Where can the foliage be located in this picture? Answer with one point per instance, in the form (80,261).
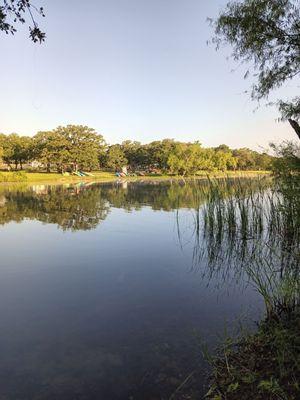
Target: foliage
(160,151)
(185,159)
(12,11)
(51,148)
(288,158)
(266,34)
(263,161)
(264,365)
(133,154)
(16,149)
(116,157)
(83,145)
(74,147)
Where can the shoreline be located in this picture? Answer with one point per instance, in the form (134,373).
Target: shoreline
(14,177)
(261,365)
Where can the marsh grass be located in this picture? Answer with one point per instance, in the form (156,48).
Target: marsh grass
(249,230)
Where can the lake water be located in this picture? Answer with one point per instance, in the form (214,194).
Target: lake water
(100,297)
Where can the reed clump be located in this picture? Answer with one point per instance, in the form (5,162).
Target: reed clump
(250,229)
(253,229)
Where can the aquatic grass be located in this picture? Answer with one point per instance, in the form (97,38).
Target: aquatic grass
(248,228)
(251,232)
(280,289)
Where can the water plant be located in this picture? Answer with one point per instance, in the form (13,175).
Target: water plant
(251,231)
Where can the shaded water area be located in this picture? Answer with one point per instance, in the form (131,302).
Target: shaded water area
(105,290)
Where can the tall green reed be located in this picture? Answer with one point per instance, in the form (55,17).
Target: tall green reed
(251,228)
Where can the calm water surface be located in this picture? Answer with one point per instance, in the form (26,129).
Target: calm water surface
(98,297)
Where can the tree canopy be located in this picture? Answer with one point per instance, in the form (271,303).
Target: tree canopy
(266,35)
(77,147)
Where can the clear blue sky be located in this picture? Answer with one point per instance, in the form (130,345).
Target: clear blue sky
(131,69)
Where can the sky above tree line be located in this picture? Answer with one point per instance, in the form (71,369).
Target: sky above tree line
(135,69)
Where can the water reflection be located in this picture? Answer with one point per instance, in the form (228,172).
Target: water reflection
(84,206)
(105,307)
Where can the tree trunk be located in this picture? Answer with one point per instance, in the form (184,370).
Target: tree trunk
(295,126)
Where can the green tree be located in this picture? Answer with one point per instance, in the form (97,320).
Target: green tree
(245,158)
(287,162)
(6,147)
(224,160)
(23,150)
(84,146)
(266,34)
(185,158)
(51,148)
(116,157)
(16,149)
(263,161)
(224,148)
(159,152)
(135,153)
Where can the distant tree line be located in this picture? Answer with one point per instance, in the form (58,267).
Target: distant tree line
(75,147)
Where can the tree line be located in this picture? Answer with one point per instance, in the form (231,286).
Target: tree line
(74,147)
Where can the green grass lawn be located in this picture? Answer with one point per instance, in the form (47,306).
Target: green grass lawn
(52,177)
(23,176)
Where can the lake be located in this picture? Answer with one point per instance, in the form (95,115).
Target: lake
(100,295)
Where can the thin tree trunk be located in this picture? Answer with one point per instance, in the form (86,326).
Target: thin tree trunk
(295,126)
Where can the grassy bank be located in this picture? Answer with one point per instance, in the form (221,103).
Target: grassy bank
(43,177)
(262,366)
